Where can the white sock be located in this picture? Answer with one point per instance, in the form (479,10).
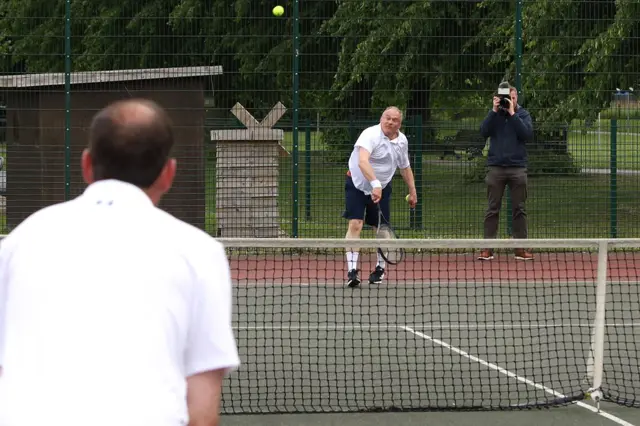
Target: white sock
(381,262)
(352,260)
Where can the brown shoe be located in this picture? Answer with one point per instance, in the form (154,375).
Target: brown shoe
(485,255)
(522,254)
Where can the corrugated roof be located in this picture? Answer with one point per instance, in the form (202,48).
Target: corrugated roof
(89,77)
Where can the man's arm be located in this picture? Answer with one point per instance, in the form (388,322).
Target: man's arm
(523,126)
(407,176)
(486,128)
(488,125)
(211,348)
(369,174)
(203,397)
(365,165)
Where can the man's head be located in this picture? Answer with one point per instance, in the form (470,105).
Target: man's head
(390,121)
(514,96)
(131,141)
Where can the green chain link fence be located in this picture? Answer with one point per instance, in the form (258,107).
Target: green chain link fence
(334,66)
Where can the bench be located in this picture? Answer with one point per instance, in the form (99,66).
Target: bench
(468,141)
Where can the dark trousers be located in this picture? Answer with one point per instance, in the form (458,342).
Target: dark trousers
(497,179)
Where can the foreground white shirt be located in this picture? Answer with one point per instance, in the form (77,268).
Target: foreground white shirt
(386,156)
(107,303)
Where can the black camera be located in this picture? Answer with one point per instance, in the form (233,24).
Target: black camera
(504,94)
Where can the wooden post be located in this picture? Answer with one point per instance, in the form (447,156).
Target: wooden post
(247,176)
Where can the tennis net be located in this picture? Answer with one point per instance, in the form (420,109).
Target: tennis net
(443,331)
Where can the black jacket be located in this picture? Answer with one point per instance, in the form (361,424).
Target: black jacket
(509,135)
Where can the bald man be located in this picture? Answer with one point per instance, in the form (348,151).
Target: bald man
(113,312)
(379,151)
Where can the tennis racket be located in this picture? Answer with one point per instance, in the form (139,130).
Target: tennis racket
(393,255)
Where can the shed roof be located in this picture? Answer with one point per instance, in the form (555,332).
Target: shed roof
(88,77)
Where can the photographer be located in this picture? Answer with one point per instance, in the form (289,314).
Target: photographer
(509,126)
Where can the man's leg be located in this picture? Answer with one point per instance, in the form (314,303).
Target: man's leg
(496,181)
(518,184)
(371,216)
(355,202)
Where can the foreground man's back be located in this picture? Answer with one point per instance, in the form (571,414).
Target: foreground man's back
(108,307)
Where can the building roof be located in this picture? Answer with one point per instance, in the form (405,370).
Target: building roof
(89,77)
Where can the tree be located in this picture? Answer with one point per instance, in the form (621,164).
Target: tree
(575,53)
(253,47)
(421,56)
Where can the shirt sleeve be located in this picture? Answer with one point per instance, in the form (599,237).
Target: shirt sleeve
(365,141)
(211,343)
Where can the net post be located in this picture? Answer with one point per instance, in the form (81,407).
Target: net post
(597,341)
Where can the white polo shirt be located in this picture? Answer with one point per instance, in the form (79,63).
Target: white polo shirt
(387,155)
(107,304)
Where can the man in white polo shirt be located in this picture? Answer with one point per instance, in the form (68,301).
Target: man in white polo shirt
(113,312)
(377,154)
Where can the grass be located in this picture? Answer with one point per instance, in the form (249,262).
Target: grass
(590,146)
(559,206)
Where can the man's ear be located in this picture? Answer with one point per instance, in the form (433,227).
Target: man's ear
(87,167)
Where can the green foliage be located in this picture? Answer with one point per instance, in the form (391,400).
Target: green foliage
(407,63)
(541,163)
(622,113)
(575,54)
(439,59)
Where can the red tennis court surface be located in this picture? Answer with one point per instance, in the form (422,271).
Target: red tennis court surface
(323,268)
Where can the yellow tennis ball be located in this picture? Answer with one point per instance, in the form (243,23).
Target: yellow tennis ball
(406,198)
(278,10)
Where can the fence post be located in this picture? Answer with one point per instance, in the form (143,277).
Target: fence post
(416,220)
(613,178)
(518,35)
(518,86)
(67,100)
(296,108)
(307,168)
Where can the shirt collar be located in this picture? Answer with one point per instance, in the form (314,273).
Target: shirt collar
(111,191)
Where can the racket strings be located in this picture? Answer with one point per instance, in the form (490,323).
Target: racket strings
(385,232)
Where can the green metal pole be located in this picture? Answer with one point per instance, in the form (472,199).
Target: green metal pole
(518,82)
(417,165)
(296,111)
(307,170)
(518,86)
(613,169)
(67,101)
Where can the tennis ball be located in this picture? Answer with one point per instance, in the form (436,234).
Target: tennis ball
(406,198)
(278,10)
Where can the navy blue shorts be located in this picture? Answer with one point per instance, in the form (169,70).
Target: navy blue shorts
(359,205)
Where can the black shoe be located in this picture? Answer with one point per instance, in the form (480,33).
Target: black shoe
(353,280)
(377,275)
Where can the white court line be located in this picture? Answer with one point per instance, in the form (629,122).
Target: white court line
(515,376)
(434,326)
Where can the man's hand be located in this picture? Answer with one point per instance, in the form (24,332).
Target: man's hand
(496,103)
(413,200)
(376,195)
(512,107)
